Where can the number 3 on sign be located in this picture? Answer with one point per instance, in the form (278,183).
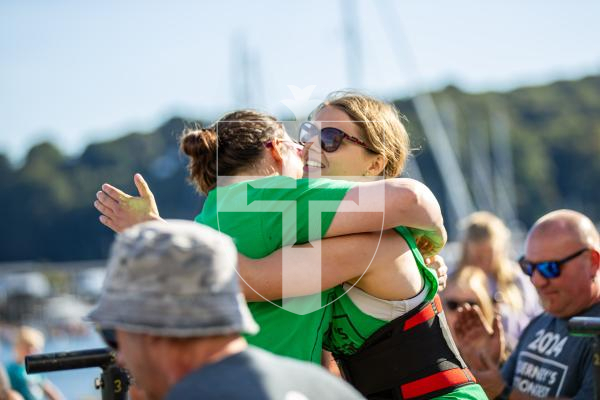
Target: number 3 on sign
(118,386)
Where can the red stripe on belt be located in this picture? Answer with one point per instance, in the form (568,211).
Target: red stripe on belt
(435,382)
(425,314)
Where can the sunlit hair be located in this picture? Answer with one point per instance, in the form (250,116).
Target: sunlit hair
(236,140)
(483,226)
(381,124)
(29,336)
(474,279)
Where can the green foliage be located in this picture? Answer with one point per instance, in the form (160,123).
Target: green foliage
(47,205)
(555,142)
(47,209)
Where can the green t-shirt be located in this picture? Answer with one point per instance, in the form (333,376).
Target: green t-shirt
(262,216)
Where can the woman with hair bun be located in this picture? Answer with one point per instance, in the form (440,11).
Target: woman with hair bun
(247,157)
(245,144)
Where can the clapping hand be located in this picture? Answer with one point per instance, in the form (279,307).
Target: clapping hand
(474,334)
(482,347)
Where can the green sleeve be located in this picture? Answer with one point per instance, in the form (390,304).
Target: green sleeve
(299,211)
(266,214)
(426,272)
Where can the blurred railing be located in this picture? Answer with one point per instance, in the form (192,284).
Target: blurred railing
(51,295)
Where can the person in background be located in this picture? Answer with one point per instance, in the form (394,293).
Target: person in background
(172,308)
(562,257)
(29,341)
(467,286)
(6,393)
(486,244)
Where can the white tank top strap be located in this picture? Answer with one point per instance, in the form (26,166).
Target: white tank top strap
(386,310)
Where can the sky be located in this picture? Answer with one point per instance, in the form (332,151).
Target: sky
(76,72)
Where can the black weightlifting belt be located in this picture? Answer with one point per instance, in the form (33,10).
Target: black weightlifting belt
(412,357)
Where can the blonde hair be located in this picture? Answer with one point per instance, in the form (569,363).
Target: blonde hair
(474,279)
(381,124)
(485,226)
(29,336)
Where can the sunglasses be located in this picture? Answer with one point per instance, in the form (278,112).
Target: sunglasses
(452,305)
(548,269)
(331,138)
(299,147)
(109,336)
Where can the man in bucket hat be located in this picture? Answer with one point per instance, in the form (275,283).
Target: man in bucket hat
(172,308)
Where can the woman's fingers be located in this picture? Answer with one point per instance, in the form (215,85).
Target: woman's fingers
(142,186)
(114,193)
(104,210)
(106,201)
(110,223)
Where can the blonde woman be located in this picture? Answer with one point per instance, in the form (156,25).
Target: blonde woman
(387,332)
(468,286)
(486,244)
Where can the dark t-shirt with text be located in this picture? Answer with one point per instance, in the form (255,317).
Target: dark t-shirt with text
(548,362)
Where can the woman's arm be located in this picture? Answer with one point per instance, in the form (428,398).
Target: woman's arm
(368,207)
(380,205)
(342,258)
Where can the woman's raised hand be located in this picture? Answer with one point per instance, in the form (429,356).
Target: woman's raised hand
(120,210)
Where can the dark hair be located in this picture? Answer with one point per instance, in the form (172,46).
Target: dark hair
(236,141)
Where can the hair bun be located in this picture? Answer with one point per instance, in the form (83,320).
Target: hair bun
(201,146)
(238,146)
(199,142)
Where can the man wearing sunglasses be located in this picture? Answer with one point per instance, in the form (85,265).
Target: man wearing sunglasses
(172,308)
(563,260)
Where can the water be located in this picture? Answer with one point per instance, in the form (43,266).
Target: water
(74,384)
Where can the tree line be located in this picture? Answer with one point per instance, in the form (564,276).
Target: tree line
(553,131)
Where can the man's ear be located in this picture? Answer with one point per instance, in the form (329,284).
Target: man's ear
(377,166)
(595,254)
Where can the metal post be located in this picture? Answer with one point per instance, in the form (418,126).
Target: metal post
(589,326)
(114,382)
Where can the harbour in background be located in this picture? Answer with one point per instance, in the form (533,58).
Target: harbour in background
(53,297)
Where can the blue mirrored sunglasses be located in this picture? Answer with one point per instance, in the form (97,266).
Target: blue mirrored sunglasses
(548,269)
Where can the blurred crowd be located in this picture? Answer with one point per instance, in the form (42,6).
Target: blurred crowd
(15,383)
(488,276)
